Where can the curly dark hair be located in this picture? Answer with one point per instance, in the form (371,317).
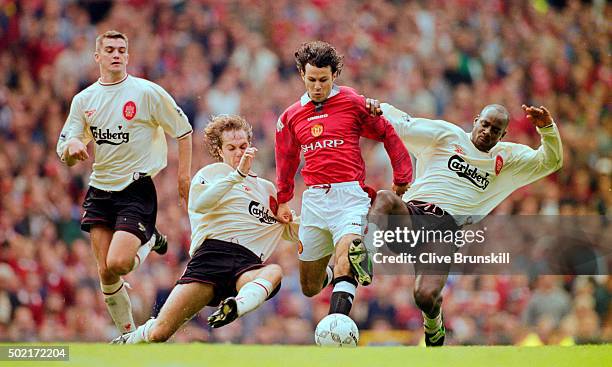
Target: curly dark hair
(217,125)
(319,54)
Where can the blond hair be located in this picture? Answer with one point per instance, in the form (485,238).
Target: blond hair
(219,124)
(110,34)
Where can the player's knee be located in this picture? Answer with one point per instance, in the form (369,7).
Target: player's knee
(275,271)
(427,297)
(385,199)
(310,289)
(159,334)
(119,266)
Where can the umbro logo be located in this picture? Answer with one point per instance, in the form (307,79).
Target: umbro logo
(141,227)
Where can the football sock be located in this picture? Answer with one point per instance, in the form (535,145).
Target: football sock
(329,276)
(343,294)
(119,306)
(252,294)
(141,334)
(432,325)
(143,252)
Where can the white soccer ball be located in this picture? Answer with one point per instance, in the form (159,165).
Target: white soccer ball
(337,330)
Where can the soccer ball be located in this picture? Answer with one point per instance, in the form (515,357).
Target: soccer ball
(337,330)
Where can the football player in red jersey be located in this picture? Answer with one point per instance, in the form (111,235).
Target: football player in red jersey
(326,125)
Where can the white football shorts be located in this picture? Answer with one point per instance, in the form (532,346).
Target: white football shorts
(330,212)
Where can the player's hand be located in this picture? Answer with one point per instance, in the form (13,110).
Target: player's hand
(373,106)
(400,189)
(184,184)
(283,214)
(247,160)
(76,151)
(540,117)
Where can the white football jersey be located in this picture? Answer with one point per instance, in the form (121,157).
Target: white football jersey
(126,121)
(468,183)
(225,206)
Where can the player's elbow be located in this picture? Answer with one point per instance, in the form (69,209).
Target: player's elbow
(204,204)
(555,164)
(309,288)
(120,266)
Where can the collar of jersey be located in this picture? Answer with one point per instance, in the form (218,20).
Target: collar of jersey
(306,98)
(115,83)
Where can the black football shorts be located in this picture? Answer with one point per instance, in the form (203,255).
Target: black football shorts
(220,264)
(133,209)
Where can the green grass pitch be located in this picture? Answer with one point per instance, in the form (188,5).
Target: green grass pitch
(204,355)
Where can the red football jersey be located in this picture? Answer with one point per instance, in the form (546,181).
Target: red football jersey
(328,134)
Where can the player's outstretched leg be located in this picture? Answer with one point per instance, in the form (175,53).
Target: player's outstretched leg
(255,287)
(184,302)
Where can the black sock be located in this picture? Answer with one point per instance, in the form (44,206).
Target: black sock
(343,295)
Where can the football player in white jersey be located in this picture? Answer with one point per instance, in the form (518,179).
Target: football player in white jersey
(460,178)
(233,231)
(126,117)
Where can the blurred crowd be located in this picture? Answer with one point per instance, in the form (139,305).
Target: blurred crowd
(436,59)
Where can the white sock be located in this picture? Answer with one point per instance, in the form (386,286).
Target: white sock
(119,306)
(143,252)
(252,295)
(141,334)
(432,325)
(344,286)
(329,276)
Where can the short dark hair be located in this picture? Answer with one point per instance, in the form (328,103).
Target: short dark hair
(217,125)
(110,34)
(319,54)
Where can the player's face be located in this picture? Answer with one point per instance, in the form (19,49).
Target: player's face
(318,82)
(234,143)
(112,56)
(489,128)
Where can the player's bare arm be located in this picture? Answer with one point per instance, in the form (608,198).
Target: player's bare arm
(184,169)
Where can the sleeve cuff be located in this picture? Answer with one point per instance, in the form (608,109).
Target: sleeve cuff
(235,176)
(284,197)
(546,129)
(184,135)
